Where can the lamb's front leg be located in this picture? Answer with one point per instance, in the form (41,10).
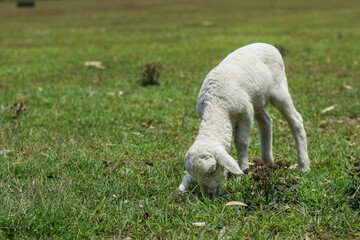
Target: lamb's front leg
(186,182)
(242,140)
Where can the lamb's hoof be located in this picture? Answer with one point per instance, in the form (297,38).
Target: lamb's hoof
(182,188)
(304,169)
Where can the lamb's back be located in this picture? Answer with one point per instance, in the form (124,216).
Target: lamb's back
(245,76)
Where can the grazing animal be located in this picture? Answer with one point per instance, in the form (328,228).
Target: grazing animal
(234,94)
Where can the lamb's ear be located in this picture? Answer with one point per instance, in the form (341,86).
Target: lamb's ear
(226,161)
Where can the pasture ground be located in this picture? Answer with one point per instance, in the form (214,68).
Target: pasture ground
(87,152)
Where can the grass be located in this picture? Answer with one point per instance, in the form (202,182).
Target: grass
(83,161)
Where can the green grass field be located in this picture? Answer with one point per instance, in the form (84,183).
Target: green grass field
(80,160)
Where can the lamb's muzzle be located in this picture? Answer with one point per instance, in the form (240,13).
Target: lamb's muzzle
(234,94)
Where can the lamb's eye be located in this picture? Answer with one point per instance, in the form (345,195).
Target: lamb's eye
(213,171)
(203,157)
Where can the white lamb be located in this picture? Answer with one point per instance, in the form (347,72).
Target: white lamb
(232,95)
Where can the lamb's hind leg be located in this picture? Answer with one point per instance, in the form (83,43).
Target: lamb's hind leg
(264,122)
(283,102)
(242,140)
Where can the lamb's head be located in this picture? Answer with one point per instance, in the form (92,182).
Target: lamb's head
(209,166)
